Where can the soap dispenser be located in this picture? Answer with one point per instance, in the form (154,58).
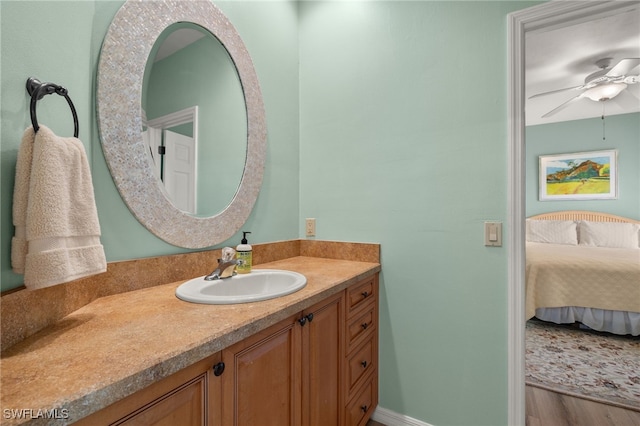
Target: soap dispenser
(244,254)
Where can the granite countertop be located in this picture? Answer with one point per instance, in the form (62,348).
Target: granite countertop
(120,344)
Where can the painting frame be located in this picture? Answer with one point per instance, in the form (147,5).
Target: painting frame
(590,175)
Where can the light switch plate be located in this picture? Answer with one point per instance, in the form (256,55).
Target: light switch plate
(493,234)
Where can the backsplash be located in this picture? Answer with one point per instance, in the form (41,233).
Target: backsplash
(25,312)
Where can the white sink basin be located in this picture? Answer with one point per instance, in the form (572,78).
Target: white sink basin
(260,284)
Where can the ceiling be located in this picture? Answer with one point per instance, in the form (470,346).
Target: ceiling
(178,39)
(558,58)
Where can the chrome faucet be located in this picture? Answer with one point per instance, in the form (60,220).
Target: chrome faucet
(226,266)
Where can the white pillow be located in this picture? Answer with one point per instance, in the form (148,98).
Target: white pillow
(552,231)
(609,234)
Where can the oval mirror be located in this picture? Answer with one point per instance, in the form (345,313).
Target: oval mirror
(122,121)
(194,119)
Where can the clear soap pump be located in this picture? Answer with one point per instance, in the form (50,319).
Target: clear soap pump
(244,255)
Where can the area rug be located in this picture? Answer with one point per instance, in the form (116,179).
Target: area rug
(597,366)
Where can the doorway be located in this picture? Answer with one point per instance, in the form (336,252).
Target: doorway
(172,147)
(548,15)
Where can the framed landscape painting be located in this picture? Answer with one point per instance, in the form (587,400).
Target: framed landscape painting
(579,176)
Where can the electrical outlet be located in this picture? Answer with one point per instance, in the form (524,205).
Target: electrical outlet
(310,226)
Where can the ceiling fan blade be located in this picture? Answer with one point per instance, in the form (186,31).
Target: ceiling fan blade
(623,67)
(556,91)
(562,106)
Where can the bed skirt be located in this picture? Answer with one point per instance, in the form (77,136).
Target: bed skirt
(617,322)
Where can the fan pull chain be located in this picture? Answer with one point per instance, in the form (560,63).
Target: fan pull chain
(603,134)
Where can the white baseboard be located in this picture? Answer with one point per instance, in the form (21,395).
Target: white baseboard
(390,418)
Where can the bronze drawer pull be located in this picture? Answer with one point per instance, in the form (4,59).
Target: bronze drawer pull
(364,364)
(218,369)
(364,325)
(364,408)
(365,294)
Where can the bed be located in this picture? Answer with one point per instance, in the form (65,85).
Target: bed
(584,267)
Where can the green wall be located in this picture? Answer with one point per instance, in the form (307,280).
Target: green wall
(403,136)
(622,132)
(386,122)
(60,42)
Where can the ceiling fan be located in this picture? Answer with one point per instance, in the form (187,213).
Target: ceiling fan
(602,85)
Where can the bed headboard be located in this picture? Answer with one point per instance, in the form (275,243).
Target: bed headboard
(583,215)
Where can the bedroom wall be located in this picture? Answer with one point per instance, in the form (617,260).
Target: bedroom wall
(622,133)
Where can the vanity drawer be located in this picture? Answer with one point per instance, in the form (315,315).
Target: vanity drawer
(360,327)
(361,294)
(361,407)
(359,364)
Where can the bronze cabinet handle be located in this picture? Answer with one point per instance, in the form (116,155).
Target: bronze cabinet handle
(218,369)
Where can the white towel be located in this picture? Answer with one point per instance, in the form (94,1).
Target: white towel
(20,197)
(62,229)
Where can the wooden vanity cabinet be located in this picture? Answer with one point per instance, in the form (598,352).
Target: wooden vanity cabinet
(187,398)
(318,367)
(361,358)
(288,374)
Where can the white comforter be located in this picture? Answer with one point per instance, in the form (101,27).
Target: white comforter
(563,275)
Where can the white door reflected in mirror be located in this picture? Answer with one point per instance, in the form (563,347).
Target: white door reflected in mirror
(180,170)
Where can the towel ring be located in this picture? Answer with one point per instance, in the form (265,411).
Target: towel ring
(38,90)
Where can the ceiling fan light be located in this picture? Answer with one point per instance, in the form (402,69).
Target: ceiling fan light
(604,92)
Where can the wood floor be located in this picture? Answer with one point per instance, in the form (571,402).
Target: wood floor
(546,408)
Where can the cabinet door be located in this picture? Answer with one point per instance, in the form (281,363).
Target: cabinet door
(261,384)
(185,406)
(322,362)
(188,397)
